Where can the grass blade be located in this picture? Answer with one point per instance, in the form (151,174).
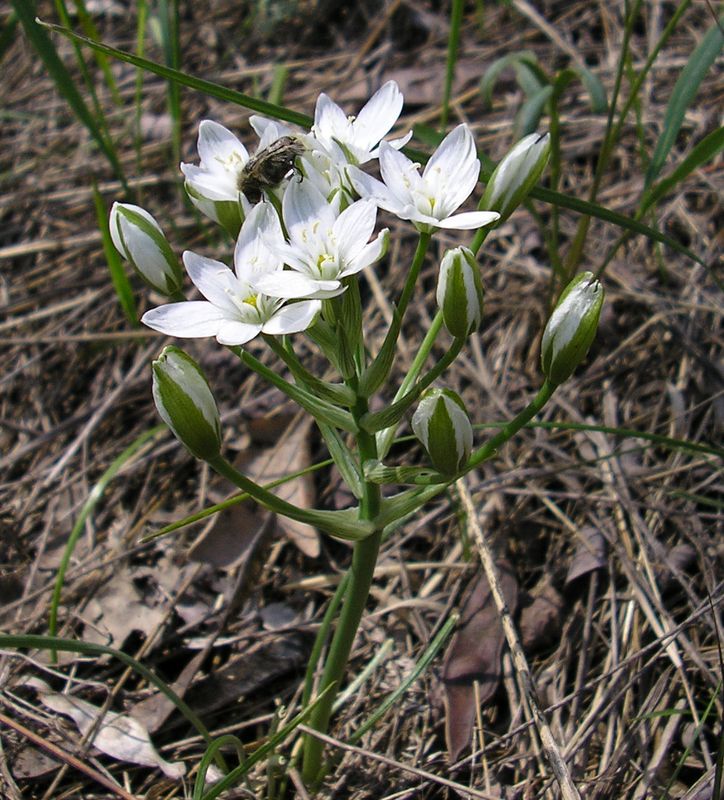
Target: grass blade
(456,16)
(199,84)
(121,284)
(89,27)
(704,151)
(168,17)
(93,498)
(64,81)
(683,95)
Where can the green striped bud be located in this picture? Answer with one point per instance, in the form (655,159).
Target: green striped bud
(184,401)
(516,174)
(571,327)
(227,213)
(139,239)
(442,424)
(460,292)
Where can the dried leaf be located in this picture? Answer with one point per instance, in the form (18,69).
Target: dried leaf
(118,735)
(32,763)
(459,717)
(590,554)
(475,655)
(118,609)
(540,622)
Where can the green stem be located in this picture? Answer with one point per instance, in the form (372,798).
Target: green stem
(386,437)
(361,572)
(336,523)
(456,17)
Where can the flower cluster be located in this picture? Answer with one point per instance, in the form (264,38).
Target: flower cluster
(303,214)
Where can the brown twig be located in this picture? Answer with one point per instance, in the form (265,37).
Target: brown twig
(550,747)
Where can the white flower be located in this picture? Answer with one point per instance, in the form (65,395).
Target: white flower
(235,310)
(355,139)
(324,245)
(430,199)
(223,158)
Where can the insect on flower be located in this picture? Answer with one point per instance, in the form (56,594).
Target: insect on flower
(269,167)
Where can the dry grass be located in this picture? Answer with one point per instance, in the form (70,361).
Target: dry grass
(631,659)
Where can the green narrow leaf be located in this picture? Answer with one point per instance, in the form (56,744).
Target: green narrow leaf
(121,284)
(529,114)
(495,70)
(595,89)
(168,16)
(89,27)
(703,152)
(683,95)
(199,84)
(343,459)
(63,80)
(456,16)
(93,499)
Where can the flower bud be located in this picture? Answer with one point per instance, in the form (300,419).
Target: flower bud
(226,213)
(139,239)
(571,327)
(184,401)
(442,424)
(516,175)
(460,292)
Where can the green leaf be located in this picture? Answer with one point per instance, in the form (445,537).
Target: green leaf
(683,95)
(374,376)
(627,223)
(318,408)
(198,84)
(93,499)
(495,70)
(343,459)
(25,11)
(703,152)
(595,89)
(529,115)
(120,281)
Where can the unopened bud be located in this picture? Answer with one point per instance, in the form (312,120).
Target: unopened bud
(516,175)
(184,401)
(571,327)
(139,239)
(442,424)
(460,292)
(226,213)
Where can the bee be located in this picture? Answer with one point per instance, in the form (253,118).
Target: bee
(269,167)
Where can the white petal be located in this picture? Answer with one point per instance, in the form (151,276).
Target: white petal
(468,221)
(190,320)
(456,148)
(293,318)
(291,285)
(329,119)
(378,115)
(218,142)
(254,253)
(368,255)
(233,332)
(370,187)
(399,173)
(216,185)
(213,279)
(353,228)
(303,205)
